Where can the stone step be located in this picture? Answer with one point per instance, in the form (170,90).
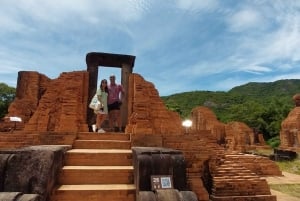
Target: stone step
(96,175)
(98,157)
(103,136)
(108,192)
(101,144)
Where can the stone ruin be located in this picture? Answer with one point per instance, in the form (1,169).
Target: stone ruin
(290,134)
(54,111)
(28,174)
(234,136)
(290,128)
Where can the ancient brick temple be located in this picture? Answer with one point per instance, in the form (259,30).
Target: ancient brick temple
(290,128)
(55,111)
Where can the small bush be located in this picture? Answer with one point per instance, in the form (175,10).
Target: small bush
(274,142)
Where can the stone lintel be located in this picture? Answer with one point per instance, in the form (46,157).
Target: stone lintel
(109,59)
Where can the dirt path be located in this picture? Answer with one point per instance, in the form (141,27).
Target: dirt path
(287,178)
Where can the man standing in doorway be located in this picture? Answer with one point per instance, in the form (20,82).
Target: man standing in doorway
(115,96)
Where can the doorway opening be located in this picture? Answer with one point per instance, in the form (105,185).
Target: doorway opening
(97,61)
(105,73)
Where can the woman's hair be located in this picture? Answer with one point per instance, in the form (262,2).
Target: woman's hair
(106,88)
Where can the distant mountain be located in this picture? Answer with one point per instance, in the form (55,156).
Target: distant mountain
(259,105)
(278,88)
(255,91)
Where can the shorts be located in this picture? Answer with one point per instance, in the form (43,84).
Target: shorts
(114,106)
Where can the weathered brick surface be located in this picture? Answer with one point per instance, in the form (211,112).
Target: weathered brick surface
(51,105)
(31,86)
(240,137)
(148,114)
(260,165)
(9,126)
(202,146)
(231,179)
(236,136)
(290,128)
(63,105)
(22,139)
(56,112)
(197,149)
(204,119)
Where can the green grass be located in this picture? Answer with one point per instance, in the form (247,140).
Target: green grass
(263,152)
(285,166)
(290,166)
(290,189)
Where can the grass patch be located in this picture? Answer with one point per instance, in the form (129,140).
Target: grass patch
(263,152)
(285,165)
(290,166)
(290,189)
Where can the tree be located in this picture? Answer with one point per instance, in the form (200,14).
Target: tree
(265,118)
(173,106)
(7,95)
(275,112)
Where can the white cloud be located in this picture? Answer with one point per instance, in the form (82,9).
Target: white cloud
(284,44)
(171,39)
(10,24)
(256,69)
(244,20)
(276,46)
(23,13)
(200,69)
(197,5)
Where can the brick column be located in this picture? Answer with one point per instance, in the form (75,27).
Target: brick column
(125,72)
(93,77)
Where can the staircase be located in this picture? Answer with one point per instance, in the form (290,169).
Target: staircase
(98,168)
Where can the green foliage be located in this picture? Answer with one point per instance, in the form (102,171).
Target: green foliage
(279,88)
(173,106)
(188,100)
(262,106)
(274,142)
(7,95)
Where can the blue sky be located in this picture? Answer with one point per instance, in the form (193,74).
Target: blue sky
(180,45)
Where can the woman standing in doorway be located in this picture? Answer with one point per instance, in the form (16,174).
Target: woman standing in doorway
(102,94)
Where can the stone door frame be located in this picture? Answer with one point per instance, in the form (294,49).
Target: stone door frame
(96,59)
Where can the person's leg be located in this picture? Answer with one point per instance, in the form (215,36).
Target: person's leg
(98,121)
(101,119)
(93,121)
(118,120)
(114,115)
(111,119)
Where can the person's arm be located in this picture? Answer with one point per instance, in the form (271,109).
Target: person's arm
(122,93)
(99,95)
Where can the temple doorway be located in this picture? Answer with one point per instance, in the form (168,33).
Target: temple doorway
(96,61)
(105,73)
